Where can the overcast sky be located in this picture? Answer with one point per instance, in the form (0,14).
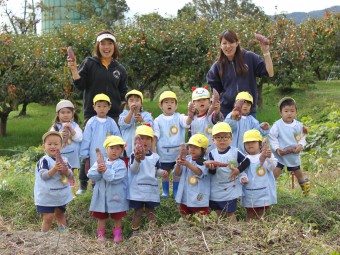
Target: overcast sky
(170,7)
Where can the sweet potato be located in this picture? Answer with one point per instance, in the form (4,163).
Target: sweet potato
(99,156)
(191,110)
(262,39)
(214,99)
(59,159)
(215,163)
(264,150)
(70,53)
(182,151)
(139,147)
(238,107)
(65,139)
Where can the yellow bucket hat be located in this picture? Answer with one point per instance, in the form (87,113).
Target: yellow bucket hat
(199,140)
(134,92)
(167,94)
(244,95)
(144,130)
(252,135)
(101,97)
(221,127)
(113,140)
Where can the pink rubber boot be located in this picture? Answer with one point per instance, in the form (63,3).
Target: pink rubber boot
(101,234)
(117,233)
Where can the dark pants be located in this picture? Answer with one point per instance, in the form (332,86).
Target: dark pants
(83,180)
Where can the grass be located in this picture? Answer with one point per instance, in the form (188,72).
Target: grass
(23,132)
(296,225)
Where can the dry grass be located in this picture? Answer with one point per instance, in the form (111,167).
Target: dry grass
(276,236)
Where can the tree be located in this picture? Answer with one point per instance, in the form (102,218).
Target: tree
(221,10)
(25,24)
(107,11)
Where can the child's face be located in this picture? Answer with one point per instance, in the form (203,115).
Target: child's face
(134,99)
(101,108)
(168,106)
(252,148)
(288,113)
(147,141)
(195,151)
(113,152)
(65,115)
(246,108)
(202,105)
(222,140)
(51,144)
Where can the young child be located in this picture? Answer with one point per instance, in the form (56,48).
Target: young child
(194,186)
(109,195)
(51,193)
(170,129)
(225,184)
(143,181)
(133,117)
(259,191)
(287,139)
(240,122)
(65,122)
(202,122)
(96,130)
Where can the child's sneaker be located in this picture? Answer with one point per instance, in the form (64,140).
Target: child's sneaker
(80,192)
(305,186)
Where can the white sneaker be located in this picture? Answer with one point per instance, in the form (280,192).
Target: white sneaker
(80,192)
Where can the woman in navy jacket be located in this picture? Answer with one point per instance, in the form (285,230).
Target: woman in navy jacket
(236,70)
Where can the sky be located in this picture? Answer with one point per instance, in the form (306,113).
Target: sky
(170,7)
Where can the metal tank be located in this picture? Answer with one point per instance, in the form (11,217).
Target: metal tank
(57,14)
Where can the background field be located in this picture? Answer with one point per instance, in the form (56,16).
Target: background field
(296,225)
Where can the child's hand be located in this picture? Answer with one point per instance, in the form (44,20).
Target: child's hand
(211,166)
(191,110)
(182,162)
(268,153)
(165,173)
(265,125)
(217,107)
(244,180)
(67,125)
(101,168)
(138,118)
(298,149)
(235,172)
(235,115)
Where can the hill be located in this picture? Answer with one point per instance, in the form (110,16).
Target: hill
(301,16)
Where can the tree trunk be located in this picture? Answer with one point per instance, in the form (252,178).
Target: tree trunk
(23,111)
(3,124)
(260,95)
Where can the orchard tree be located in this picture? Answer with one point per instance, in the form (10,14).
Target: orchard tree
(323,47)
(26,73)
(221,10)
(107,11)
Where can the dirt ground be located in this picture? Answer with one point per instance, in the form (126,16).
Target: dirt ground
(180,238)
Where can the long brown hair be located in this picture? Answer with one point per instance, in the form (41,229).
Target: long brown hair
(96,51)
(241,67)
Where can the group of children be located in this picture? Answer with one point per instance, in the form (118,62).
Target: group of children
(221,162)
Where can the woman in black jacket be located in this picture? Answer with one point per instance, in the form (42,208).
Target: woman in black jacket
(101,73)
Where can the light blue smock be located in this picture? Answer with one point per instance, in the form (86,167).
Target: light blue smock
(110,192)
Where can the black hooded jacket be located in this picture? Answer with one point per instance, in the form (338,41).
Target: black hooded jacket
(95,78)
